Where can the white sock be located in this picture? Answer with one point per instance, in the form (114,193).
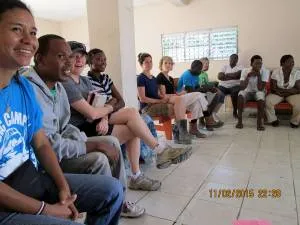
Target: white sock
(216,118)
(160,147)
(136,175)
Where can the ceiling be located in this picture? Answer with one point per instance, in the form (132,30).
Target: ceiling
(61,10)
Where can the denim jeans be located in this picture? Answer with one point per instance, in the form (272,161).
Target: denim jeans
(97,163)
(100,196)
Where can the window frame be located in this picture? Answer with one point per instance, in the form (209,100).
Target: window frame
(183,38)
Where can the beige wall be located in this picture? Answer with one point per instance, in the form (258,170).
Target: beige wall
(266,27)
(47,27)
(76,30)
(112,30)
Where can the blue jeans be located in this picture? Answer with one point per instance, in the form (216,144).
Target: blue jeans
(100,196)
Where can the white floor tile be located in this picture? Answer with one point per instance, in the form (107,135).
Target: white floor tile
(230,159)
(145,220)
(201,212)
(274,219)
(163,205)
(284,206)
(216,192)
(134,196)
(182,185)
(227,175)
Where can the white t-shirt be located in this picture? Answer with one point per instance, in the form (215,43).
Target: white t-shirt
(230,83)
(279,77)
(252,85)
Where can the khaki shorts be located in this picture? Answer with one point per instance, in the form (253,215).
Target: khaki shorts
(158,110)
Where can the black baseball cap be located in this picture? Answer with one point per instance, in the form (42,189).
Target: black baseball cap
(77,47)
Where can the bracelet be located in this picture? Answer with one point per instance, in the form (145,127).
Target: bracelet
(41,208)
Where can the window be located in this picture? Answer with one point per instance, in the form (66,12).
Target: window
(217,44)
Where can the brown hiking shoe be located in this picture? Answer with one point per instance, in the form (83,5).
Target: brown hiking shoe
(195,131)
(144,183)
(172,155)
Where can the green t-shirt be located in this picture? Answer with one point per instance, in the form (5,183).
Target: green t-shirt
(53,92)
(203,79)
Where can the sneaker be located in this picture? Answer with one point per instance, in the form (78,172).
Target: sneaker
(144,183)
(172,155)
(206,132)
(132,210)
(275,123)
(294,125)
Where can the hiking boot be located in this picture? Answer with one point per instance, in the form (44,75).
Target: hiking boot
(172,155)
(195,131)
(209,121)
(218,124)
(181,135)
(132,210)
(144,183)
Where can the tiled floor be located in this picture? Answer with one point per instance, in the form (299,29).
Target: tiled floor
(230,159)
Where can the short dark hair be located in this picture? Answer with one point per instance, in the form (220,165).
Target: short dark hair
(142,56)
(236,55)
(6,5)
(92,53)
(44,44)
(285,58)
(254,58)
(196,64)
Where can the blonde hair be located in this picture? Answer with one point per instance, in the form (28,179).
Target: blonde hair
(164,58)
(204,59)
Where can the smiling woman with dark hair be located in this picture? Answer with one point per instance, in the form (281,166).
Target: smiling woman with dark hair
(27,195)
(285,85)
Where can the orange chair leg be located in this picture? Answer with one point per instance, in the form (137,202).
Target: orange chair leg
(168,129)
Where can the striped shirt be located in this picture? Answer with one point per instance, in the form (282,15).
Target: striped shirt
(102,83)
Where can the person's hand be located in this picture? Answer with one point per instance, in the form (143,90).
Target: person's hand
(109,150)
(214,90)
(110,107)
(253,74)
(112,101)
(102,127)
(64,195)
(165,99)
(64,210)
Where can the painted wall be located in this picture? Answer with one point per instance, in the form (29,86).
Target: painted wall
(269,28)
(76,30)
(47,27)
